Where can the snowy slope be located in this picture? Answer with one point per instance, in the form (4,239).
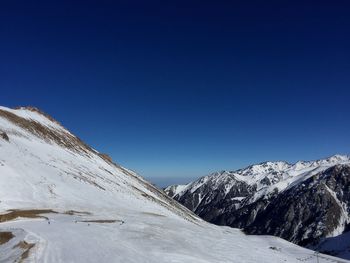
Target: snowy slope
(173,190)
(61,201)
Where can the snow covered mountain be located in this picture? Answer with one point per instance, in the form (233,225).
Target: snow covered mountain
(305,202)
(62,201)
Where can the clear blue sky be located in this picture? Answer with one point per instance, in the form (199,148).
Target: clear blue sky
(178,89)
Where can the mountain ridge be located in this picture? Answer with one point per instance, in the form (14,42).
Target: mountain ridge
(245,171)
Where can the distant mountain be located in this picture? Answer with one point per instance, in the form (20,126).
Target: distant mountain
(62,201)
(306,203)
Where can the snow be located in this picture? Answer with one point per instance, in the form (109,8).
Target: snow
(146,225)
(153,239)
(33,115)
(238,198)
(176,189)
(344,219)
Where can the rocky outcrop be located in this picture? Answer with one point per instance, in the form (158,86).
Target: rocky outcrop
(4,136)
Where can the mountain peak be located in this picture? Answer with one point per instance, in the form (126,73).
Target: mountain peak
(264,167)
(338,157)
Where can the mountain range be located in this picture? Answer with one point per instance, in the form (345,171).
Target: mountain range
(307,203)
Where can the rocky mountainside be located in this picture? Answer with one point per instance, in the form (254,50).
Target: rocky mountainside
(62,201)
(305,203)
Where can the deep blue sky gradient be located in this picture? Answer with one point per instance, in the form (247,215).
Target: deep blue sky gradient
(178,89)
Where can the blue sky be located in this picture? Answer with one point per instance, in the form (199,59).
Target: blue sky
(178,89)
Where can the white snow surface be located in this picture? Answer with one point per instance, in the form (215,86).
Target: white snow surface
(148,226)
(175,189)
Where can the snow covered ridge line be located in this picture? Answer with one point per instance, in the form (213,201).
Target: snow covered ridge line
(34,109)
(261,172)
(46,128)
(305,203)
(43,127)
(35,114)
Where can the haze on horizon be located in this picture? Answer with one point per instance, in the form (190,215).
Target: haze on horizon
(177,90)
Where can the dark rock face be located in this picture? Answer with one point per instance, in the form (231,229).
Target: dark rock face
(171,190)
(4,136)
(210,200)
(305,212)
